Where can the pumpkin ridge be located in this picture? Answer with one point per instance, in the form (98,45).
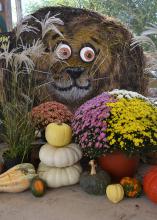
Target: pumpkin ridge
(59,157)
(77,150)
(69,158)
(148,180)
(57,177)
(77,153)
(69,173)
(115,192)
(78,167)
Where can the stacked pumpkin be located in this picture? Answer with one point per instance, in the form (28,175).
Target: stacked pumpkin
(59,157)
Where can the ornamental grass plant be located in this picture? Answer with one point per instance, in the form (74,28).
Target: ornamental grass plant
(19,88)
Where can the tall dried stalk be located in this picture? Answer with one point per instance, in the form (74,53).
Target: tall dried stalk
(19,86)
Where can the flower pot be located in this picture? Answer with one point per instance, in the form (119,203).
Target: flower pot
(1,167)
(151,158)
(119,165)
(11,162)
(85,163)
(42,132)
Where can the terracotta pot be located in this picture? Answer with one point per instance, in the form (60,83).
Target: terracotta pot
(119,165)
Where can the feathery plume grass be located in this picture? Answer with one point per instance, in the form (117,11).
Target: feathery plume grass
(145,39)
(152,29)
(48,24)
(140,40)
(19,85)
(23,26)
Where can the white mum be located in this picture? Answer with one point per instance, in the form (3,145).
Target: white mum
(127,94)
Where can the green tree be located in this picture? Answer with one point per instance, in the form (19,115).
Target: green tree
(136,14)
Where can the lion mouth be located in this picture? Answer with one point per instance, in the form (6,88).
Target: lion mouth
(75,74)
(73,85)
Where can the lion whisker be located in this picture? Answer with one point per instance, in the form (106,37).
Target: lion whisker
(35,70)
(98,66)
(52,81)
(95,62)
(100,78)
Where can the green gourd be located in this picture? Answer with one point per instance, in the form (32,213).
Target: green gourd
(38,187)
(94,182)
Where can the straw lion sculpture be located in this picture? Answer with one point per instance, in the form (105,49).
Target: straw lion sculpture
(93,55)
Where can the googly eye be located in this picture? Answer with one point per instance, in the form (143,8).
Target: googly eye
(87,54)
(63,51)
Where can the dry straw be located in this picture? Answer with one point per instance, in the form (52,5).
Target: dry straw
(19,86)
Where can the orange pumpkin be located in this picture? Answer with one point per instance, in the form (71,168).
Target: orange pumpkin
(150,184)
(132,187)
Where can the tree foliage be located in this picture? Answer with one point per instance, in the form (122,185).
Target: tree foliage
(136,14)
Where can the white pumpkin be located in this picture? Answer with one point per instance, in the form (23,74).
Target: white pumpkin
(60,157)
(57,177)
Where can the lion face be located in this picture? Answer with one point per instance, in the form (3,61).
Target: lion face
(82,63)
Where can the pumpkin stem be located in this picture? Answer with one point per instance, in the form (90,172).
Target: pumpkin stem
(93,167)
(59,123)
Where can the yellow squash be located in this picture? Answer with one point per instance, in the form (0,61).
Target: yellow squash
(115,193)
(58,134)
(17,179)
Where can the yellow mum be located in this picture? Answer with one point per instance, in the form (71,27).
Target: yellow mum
(133,124)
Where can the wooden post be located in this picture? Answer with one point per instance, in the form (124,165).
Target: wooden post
(18,10)
(7,14)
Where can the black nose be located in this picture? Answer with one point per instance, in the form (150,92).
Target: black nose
(75,72)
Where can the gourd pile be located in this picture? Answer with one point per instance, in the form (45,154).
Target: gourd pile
(98,182)
(59,157)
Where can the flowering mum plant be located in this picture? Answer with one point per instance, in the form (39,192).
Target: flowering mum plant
(132,126)
(89,125)
(122,93)
(119,120)
(48,112)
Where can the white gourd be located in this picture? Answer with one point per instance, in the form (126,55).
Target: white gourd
(57,177)
(60,157)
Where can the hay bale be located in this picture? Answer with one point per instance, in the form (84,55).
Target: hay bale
(115,63)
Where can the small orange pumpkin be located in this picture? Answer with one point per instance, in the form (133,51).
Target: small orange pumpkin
(132,187)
